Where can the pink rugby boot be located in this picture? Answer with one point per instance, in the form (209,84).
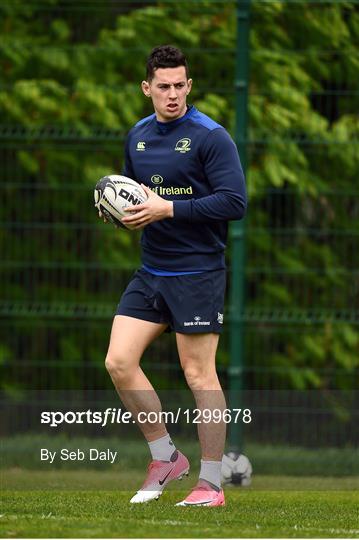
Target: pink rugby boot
(203,494)
(159,474)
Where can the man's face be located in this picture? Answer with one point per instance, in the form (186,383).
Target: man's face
(168,90)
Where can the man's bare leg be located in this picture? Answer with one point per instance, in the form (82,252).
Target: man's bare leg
(129,339)
(197,354)
(198,359)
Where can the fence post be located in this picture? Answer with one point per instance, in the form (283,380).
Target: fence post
(237,229)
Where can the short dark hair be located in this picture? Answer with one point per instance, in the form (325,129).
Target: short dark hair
(165,56)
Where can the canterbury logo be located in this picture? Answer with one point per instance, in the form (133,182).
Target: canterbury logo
(183,145)
(141,146)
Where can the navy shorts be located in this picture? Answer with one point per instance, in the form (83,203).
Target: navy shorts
(191,303)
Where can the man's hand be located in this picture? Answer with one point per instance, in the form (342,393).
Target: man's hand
(154,209)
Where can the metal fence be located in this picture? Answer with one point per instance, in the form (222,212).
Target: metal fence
(62,271)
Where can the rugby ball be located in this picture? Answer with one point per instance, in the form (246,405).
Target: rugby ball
(114,193)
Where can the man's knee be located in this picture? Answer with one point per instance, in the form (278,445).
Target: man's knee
(199,377)
(119,367)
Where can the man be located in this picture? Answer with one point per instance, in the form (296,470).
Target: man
(190,170)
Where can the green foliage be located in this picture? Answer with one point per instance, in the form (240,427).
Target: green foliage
(81,82)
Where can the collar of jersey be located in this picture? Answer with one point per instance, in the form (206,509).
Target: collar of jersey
(164,127)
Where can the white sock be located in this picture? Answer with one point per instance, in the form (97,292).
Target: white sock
(162,449)
(211,472)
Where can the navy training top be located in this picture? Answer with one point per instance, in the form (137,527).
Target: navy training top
(193,162)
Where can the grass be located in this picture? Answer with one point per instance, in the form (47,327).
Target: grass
(23,480)
(295,493)
(46,504)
